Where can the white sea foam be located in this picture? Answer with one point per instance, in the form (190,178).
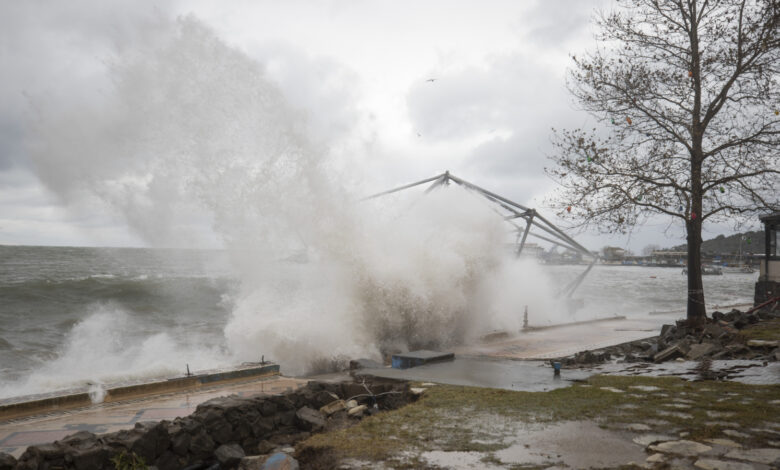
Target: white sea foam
(108,347)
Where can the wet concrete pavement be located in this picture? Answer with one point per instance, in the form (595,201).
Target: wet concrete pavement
(529,376)
(565,340)
(17,434)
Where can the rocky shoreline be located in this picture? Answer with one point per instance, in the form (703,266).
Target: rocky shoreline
(723,336)
(223,433)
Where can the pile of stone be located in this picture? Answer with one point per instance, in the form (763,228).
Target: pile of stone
(719,338)
(222,432)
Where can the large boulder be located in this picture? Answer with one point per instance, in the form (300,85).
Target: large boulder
(229,455)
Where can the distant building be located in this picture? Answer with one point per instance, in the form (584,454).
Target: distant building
(768,285)
(613,253)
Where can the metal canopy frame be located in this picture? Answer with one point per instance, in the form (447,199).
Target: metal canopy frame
(511,211)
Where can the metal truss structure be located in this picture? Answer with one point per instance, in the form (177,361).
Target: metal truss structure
(535,224)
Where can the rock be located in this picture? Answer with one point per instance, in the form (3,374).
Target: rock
(323,398)
(760,343)
(280,461)
(645,388)
(253,462)
(667,330)
(201,445)
(153,441)
(720,414)
(417,391)
(681,447)
(310,420)
(725,443)
(656,458)
(180,443)
(229,455)
(646,439)
(713,464)
(89,458)
(672,352)
(638,427)
(333,407)
(713,330)
(612,389)
(766,456)
(357,411)
(700,350)
(351,404)
(7,461)
(737,434)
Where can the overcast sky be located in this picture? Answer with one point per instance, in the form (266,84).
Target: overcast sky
(359,73)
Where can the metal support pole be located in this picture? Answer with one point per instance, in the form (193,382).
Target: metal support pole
(528,223)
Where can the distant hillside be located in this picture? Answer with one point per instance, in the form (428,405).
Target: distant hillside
(753,243)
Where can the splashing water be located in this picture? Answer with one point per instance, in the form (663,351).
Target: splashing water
(191,130)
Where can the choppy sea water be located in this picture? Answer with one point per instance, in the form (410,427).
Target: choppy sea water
(73,316)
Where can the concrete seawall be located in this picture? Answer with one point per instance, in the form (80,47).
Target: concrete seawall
(40,405)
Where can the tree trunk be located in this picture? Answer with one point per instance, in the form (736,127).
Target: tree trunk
(696,311)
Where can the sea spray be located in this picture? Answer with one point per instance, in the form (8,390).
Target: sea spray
(192,130)
(108,347)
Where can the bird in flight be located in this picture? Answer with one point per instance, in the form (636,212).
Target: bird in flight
(431,80)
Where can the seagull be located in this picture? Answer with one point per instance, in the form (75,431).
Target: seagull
(431,80)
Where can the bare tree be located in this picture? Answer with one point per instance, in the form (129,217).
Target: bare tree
(688,92)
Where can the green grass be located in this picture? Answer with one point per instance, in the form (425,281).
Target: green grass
(453,418)
(768,330)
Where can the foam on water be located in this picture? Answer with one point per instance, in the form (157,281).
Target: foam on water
(106,347)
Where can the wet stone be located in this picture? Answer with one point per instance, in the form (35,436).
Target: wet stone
(647,439)
(357,411)
(674,414)
(645,388)
(766,456)
(720,414)
(229,455)
(725,443)
(737,434)
(638,427)
(280,461)
(713,464)
(656,458)
(681,406)
(682,447)
(333,407)
(721,424)
(612,389)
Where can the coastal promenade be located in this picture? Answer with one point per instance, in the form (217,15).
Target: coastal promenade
(535,343)
(17,434)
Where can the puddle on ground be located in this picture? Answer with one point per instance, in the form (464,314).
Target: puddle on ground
(576,444)
(743,371)
(457,460)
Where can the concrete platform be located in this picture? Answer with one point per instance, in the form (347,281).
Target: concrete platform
(527,376)
(418,358)
(564,340)
(17,434)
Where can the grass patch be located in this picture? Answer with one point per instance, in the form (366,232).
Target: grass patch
(766,330)
(455,418)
